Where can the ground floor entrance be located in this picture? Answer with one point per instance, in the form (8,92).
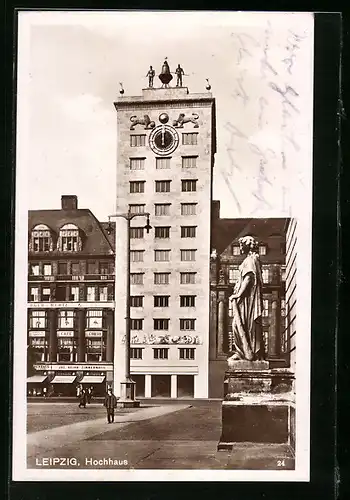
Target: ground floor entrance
(164,385)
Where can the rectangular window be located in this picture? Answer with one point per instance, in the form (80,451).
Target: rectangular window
(283,273)
(265,307)
(188,278)
(38,319)
(62,268)
(104,268)
(136,255)
(161,324)
(162,255)
(136,353)
(162,163)
(188,255)
(94,319)
(161,278)
(75,268)
(160,353)
(34,269)
(137,186)
(262,250)
(91,294)
(161,300)
(188,231)
(137,140)
(46,295)
(91,267)
(186,353)
(34,294)
(69,240)
(137,208)
(65,319)
(136,232)
(137,163)
(233,274)
(162,186)
(41,244)
(265,274)
(103,293)
(136,278)
(162,209)
(66,349)
(187,324)
(189,139)
(188,208)
(136,324)
(47,270)
(60,293)
(94,349)
(188,185)
(136,301)
(74,293)
(236,250)
(162,232)
(189,161)
(187,300)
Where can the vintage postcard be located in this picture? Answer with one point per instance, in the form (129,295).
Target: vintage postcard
(163,246)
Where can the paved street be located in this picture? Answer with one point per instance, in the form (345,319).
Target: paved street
(161,436)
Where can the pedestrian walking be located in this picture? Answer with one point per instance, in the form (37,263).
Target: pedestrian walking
(82,399)
(110,403)
(89,395)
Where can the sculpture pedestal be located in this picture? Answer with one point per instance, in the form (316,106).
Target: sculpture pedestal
(258,405)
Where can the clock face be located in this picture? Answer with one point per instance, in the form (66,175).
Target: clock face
(163,140)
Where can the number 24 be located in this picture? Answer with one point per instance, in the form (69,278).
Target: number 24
(281,463)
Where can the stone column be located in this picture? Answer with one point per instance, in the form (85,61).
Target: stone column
(221,322)
(173,386)
(274,336)
(81,335)
(52,316)
(148,386)
(110,335)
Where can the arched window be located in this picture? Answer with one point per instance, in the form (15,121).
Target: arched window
(41,239)
(69,239)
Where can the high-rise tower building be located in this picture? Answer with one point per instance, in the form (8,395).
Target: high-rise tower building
(165,156)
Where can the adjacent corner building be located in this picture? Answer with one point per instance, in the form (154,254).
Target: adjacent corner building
(70,300)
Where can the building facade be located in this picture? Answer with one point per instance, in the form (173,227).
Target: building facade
(70,300)
(165,157)
(225,261)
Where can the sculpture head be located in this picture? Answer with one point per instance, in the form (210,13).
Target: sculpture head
(248,244)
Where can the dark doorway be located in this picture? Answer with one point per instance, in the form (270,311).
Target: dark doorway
(140,385)
(185,386)
(161,386)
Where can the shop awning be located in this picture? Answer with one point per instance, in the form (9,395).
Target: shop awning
(63,379)
(36,379)
(92,379)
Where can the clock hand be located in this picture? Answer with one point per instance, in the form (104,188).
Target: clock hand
(163,133)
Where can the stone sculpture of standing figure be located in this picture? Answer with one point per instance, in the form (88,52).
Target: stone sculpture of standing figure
(151,74)
(247,306)
(179,73)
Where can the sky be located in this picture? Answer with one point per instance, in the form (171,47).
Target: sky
(259,66)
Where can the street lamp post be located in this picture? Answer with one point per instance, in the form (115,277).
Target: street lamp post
(127,391)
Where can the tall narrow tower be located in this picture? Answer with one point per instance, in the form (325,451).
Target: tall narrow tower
(165,157)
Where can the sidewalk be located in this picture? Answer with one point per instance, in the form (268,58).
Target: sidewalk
(159,437)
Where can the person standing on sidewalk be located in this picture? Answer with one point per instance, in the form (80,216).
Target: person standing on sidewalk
(82,398)
(110,404)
